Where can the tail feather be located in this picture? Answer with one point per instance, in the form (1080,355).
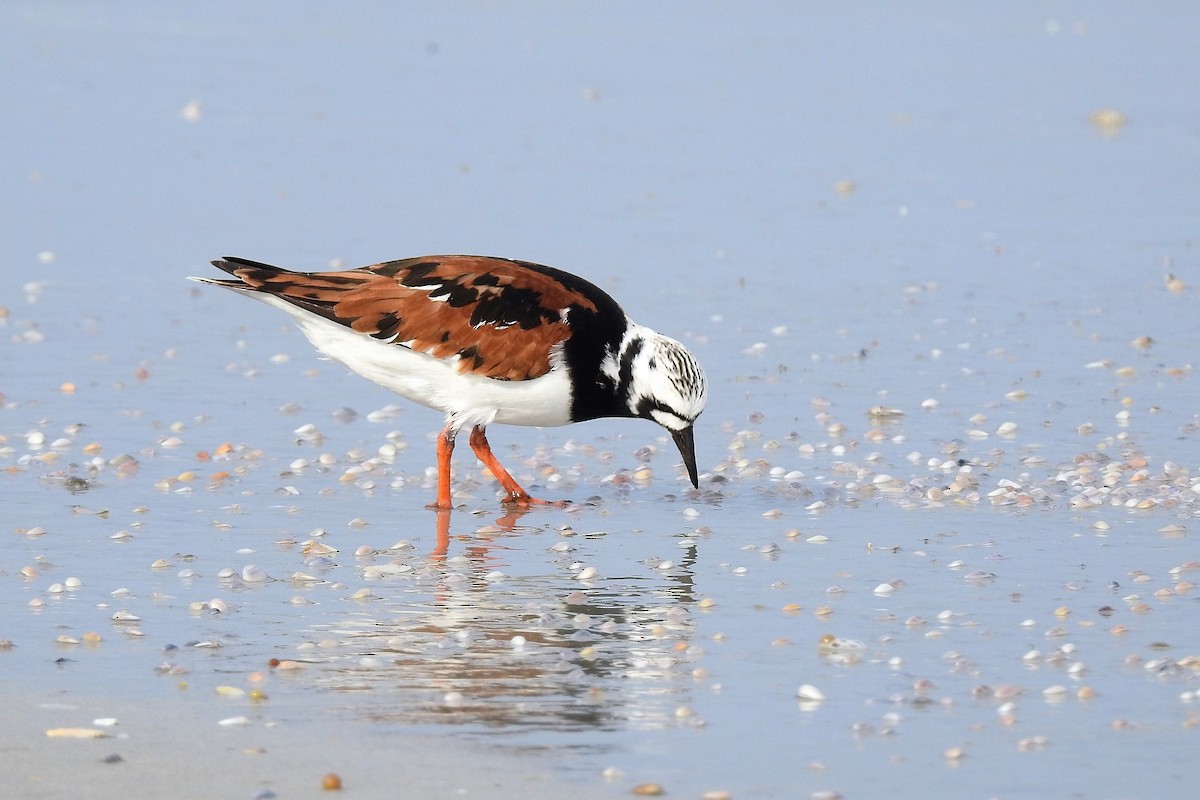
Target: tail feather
(232,264)
(264,281)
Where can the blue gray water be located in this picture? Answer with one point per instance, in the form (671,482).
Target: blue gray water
(971,216)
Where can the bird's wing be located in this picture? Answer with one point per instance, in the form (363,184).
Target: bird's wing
(500,318)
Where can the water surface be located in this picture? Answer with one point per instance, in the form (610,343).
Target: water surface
(837,210)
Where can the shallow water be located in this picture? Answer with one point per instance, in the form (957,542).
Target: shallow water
(989,256)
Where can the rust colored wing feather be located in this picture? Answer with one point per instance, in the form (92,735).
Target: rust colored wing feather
(501,318)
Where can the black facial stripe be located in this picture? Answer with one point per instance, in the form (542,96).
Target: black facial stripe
(625,371)
(646,404)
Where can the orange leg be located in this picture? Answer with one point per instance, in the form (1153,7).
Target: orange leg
(516,494)
(445,449)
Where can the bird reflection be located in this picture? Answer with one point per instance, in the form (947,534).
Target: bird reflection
(457,641)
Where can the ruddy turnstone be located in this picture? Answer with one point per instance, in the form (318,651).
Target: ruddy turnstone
(488,340)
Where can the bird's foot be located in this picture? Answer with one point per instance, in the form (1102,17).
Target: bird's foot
(523,500)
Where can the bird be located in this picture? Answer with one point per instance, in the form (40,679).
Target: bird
(488,340)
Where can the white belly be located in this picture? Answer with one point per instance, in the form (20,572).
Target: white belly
(465,398)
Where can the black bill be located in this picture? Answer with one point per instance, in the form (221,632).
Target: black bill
(687,448)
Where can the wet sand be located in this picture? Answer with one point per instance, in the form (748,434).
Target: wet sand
(939,265)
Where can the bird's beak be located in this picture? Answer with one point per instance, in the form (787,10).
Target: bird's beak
(687,448)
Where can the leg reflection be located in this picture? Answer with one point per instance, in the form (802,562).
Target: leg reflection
(443,535)
(507,523)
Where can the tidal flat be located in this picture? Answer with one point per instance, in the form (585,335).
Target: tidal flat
(939,265)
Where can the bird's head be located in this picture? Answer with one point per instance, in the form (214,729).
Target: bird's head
(666,385)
